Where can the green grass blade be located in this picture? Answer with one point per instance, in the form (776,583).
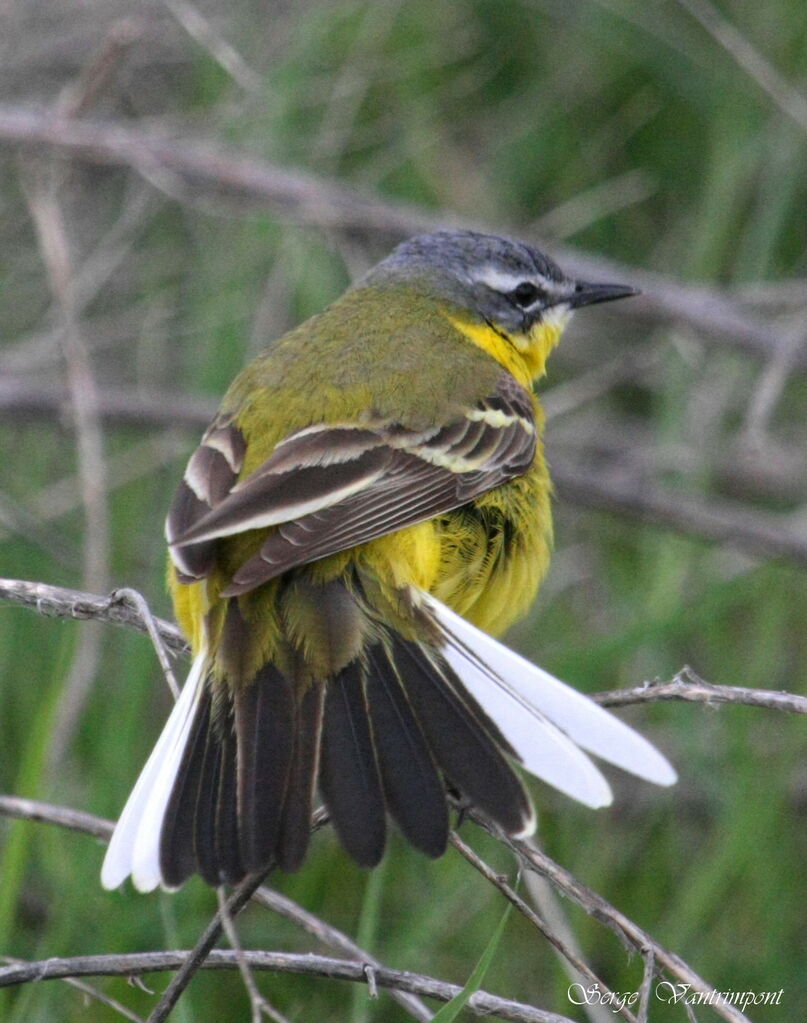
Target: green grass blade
(451,1010)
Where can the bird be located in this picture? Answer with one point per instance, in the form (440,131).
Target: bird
(369,509)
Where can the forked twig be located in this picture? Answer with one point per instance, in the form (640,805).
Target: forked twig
(632,936)
(529,914)
(200,953)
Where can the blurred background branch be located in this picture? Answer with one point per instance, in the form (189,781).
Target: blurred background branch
(183,180)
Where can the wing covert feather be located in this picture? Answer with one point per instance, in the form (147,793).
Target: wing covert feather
(329,487)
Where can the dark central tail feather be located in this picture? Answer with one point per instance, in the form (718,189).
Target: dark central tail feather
(380,737)
(394,724)
(349,779)
(466,744)
(266,734)
(295,825)
(415,795)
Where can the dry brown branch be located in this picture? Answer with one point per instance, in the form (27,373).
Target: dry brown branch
(633,936)
(772,383)
(59,602)
(79,96)
(139,603)
(688,686)
(62,816)
(309,965)
(200,954)
(306,198)
(761,534)
(789,100)
(225,55)
(258,1004)
(122,405)
(553,910)
(568,954)
(42,193)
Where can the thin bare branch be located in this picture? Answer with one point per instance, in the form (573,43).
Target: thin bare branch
(773,380)
(138,963)
(633,936)
(201,952)
(593,204)
(789,100)
(225,55)
(140,604)
(688,686)
(42,188)
(554,911)
(80,95)
(59,602)
(647,981)
(764,535)
(122,405)
(306,198)
(568,954)
(258,1004)
(62,816)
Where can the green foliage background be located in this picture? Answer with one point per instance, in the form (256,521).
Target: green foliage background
(619,127)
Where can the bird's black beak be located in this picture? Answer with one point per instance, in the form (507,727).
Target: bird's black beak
(588,294)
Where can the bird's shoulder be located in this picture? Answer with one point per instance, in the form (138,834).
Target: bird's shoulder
(381,354)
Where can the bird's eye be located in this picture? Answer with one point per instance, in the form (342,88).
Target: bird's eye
(525,294)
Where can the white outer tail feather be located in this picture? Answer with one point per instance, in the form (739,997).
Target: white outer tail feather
(534,711)
(135,844)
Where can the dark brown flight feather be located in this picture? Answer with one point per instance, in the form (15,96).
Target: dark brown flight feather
(414,793)
(210,475)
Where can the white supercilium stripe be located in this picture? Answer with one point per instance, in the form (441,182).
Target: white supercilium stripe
(135,844)
(475,654)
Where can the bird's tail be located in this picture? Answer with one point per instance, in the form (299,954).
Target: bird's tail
(229,786)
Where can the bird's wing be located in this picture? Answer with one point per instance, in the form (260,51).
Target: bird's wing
(329,487)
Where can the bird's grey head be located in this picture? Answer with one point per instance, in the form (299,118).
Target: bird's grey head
(506,282)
